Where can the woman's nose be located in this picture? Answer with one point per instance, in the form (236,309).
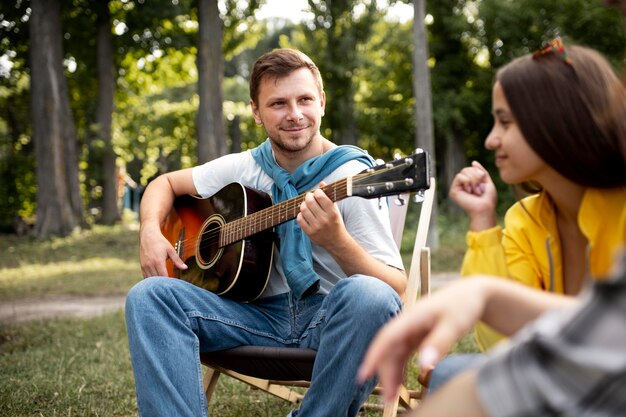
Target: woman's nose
(493,140)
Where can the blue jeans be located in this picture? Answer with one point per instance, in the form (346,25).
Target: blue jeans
(451,366)
(170,322)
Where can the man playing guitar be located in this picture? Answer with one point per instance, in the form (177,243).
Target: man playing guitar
(335,278)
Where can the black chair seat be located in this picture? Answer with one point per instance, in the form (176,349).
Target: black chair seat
(274,363)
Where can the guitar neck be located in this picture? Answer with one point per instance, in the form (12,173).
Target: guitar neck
(280,213)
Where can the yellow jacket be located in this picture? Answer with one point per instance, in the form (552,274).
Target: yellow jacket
(528,250)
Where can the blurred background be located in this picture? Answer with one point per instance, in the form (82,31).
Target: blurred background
(99,97)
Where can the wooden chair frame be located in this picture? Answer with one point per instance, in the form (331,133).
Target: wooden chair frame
(418,285)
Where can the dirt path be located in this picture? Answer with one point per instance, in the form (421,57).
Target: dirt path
(66,306)
(85,306)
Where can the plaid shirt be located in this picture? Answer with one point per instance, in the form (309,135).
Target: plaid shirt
(568,363)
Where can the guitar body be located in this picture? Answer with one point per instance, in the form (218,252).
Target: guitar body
(239,270)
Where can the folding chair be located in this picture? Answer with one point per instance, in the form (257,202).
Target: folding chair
(279,370)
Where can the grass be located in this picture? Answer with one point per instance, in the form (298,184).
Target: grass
(68,367)
(81,367)
(100,261)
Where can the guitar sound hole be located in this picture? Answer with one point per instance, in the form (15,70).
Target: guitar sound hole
(208,249)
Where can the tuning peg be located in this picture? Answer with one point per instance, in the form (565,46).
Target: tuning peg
(379,161)
(397,156)
(418,150)
(419,196)
(399,201)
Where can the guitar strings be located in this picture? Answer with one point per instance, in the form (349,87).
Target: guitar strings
(234,228)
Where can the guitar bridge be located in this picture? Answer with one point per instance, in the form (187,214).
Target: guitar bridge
(179,247)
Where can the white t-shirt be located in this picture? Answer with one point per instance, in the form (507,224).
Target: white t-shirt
(367,220)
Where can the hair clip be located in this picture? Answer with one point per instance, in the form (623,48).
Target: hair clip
(555,46)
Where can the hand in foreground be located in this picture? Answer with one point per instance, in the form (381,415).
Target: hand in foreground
(473,190)
(154,250)
(431,326)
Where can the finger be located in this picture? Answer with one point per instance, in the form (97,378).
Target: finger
(477,165)
(149,271)
(436,343)
(460,180)
(402,334)
(467,182)
(428,358)
(477,175)
(308,209)
(178,262)
(424,376)
(145,272)
(390,370)
(391,377)
(161,270)
(377,352)
(470,175)
(324,203)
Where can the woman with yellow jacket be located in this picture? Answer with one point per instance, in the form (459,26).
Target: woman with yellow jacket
(529,249)
(560,132)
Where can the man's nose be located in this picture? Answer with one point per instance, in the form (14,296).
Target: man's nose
(294,112)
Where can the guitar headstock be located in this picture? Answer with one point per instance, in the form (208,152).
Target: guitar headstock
(406,174)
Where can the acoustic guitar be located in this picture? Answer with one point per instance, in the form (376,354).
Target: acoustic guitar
(227,240)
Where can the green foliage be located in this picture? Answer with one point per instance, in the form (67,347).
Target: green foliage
(333,40)
(511,28)
(155,121)
(154,128)
(461,88)
(384,100)
(17,159)
(360,53)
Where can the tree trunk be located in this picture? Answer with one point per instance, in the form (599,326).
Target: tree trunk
(210,128)
(104,114)
(424,137)
(59,204)
(454,161)
(235,134)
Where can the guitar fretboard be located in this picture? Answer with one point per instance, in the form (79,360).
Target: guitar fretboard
(272,216)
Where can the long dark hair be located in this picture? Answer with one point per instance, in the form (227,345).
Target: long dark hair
(571,110)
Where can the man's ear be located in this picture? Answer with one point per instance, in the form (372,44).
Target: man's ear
(255,113)
(323,101)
